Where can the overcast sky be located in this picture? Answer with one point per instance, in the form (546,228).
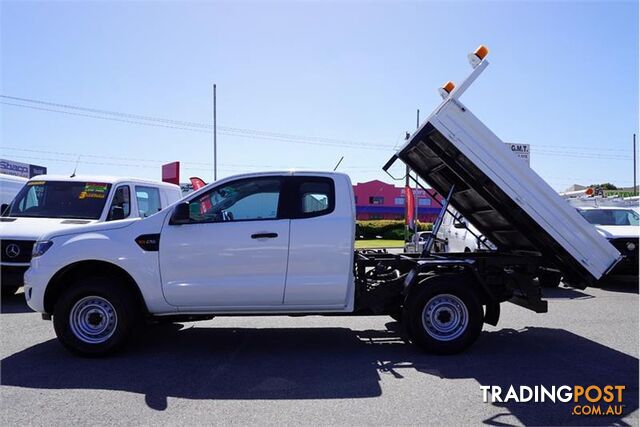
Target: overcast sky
(339,79)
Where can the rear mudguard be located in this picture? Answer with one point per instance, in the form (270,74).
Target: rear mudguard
(458,270)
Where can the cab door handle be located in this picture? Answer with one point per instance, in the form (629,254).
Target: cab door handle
(264,236)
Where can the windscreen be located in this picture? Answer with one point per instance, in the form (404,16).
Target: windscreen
(60,199)
(610,216)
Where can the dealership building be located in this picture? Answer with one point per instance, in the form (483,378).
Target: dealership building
(379,200)
(24,170)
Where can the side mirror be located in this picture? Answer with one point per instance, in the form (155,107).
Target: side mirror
(180,214)
(460,224)
(3,208)
(117,212)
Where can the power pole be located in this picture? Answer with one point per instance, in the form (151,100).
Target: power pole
(416,200)
(411,227)
(215,138)
(635,192)
(406,198)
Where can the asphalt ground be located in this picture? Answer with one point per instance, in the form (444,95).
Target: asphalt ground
(324,370)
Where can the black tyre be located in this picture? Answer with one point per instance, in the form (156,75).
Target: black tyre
(549,279)
(8,291)
(444,315)
(95,316)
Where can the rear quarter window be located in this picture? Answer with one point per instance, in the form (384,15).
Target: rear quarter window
(148,199)
(312,197)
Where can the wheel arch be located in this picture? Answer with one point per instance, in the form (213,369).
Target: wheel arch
(64,277)
(464,273)
(426,275)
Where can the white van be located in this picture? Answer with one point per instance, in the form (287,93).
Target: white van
(49,203)
(9,187)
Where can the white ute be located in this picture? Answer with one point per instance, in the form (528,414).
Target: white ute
(50,203)
(621,227)
(283,243)
(456,234)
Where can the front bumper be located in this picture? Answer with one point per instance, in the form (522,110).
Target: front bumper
(629,265)
(12,276)
(35,284)
(626,267)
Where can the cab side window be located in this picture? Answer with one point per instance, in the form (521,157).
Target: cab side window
(148,199)
(313,196)
(243,200)
(121,204)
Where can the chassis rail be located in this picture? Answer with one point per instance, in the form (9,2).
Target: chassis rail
(384,280)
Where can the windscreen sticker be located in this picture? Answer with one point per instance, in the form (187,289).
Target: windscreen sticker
(94,190)
(35,183)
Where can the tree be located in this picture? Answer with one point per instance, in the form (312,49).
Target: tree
(604,186)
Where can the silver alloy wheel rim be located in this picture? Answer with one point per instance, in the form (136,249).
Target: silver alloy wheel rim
(93,320)
(445,317)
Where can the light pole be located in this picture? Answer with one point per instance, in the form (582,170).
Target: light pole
(635,191)
(215,137)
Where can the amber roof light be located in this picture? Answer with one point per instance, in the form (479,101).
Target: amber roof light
(481,51)
(478,55)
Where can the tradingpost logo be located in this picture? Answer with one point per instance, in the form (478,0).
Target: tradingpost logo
(591,400)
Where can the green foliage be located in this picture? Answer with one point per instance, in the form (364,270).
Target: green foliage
(619,193)
(386,229)
(604,186)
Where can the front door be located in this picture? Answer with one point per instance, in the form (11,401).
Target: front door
(233,252)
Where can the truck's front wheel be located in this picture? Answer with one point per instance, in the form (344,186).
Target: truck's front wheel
(94,317)
(444,316)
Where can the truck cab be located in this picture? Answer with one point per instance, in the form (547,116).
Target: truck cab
(259,243)
(47,203)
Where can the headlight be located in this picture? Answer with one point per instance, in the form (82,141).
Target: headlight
(631,246)
(40,248)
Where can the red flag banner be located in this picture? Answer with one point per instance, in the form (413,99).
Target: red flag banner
(197,183)
(410,206)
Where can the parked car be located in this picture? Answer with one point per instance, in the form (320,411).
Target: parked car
(417,242)
(48,203)
(621,226)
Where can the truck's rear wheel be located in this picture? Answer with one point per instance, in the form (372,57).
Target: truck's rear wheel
(444,316)
(94,317)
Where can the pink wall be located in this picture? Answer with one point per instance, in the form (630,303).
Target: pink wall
(389,209)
